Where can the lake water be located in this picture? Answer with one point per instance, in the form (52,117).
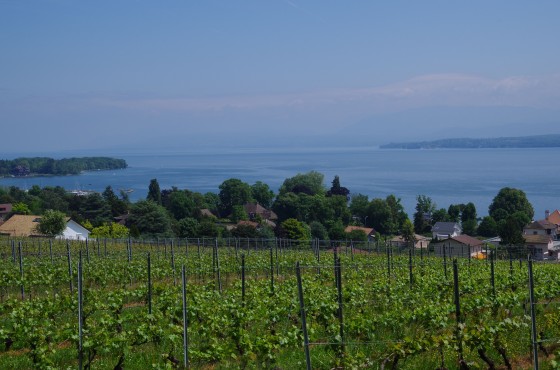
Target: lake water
(448,176)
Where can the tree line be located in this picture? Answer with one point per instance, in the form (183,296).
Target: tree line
(48,166)
(304,206)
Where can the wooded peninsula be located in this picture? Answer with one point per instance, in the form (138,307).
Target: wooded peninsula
(44,166)
(537,141)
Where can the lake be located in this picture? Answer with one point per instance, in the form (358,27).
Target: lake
(448,176)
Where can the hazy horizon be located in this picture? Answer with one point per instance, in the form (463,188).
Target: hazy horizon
(130,75)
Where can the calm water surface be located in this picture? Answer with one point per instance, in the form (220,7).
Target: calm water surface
(448,176)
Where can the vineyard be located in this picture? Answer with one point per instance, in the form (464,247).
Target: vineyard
(278,304)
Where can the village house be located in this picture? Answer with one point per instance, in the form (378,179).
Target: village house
(368,231)
(419,242)
(459,246)
(26,226)
(542,247)
(444,230)
(543,228)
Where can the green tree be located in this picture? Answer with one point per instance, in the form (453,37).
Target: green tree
(469,226)
(359,207)
(110,230)
(118,206)
(487,227)
(310,183)
(188,228)
(356,236)
(150,219)
(425,208)
(208,228)
(510,231)
(180,205)
(94,208)
(52,223)
(468,213)
(336,189)
(245,231)
(233,192)
(262,194)
(398,213)
(509,201)
(381,217)
(318,231)
(238,213)
(408,231)
(21,208)
(336,230)
(440,215)
(296,230)
(154,192)
(454,212)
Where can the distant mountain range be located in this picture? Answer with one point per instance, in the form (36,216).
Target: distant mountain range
(537,141)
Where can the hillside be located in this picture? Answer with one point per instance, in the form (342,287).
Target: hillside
(38,166)
(538,141)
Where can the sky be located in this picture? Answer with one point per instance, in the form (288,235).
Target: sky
(84,75)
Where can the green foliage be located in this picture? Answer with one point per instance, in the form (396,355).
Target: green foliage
(181,204)
(296,230)
(356,236)
(318,231)
(233,192)
(488,227)
(380,217)
(510,230)
(359,206)
(408,230)
(245,231)
(336,230)
(110,230)
(509,201)
(21,208)
(468,212)
(150,219)
(440,215)
(336,189)
(52,223)
(262,194)
(238,213)
(154,192)
(469,227)
(310,183)
(94,208)
(425,208)
(188,228)
(208,228)
(65,166)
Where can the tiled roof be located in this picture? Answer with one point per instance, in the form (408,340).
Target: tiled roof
(554,217)
(466,240)
(445,227)
(366,230)
(541,225)
(257,209)
(21,225)
(537,239)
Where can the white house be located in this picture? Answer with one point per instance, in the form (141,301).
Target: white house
(74,231)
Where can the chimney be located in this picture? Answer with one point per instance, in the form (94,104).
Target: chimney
(546,214)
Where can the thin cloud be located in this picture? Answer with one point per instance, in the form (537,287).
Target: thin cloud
(437,89)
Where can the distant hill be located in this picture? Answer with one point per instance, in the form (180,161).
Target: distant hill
(538,141)
(41,166)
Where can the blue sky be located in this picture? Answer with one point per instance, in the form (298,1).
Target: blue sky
(107,74)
